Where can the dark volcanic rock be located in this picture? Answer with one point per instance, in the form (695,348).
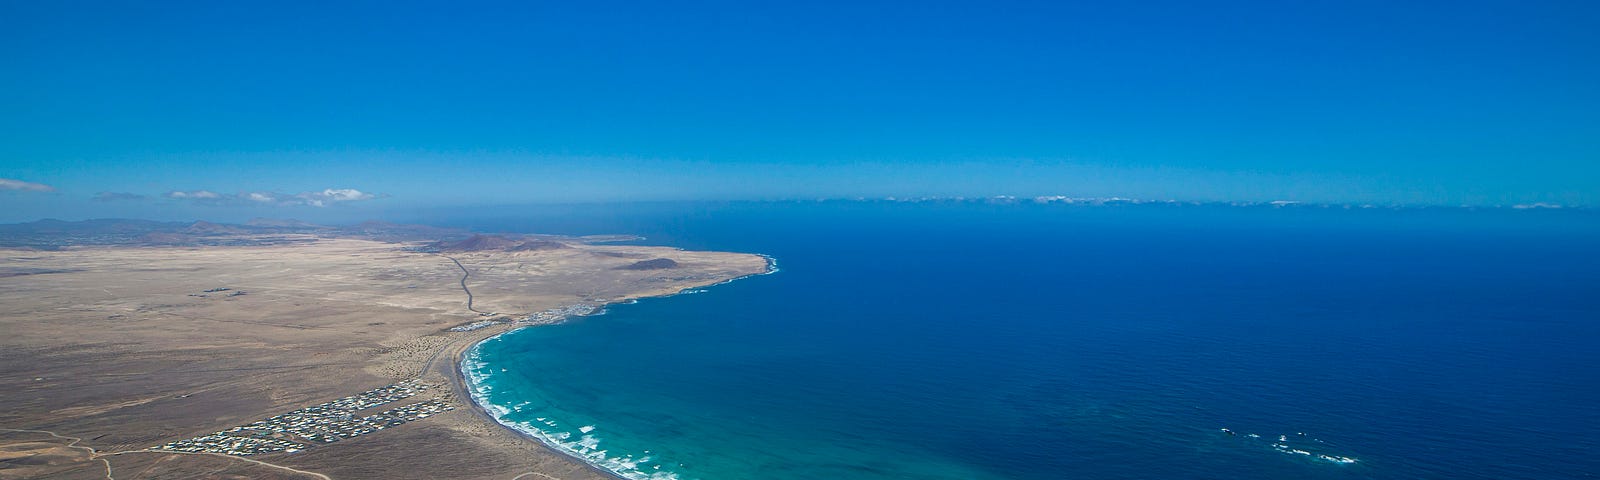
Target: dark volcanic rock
(651,264)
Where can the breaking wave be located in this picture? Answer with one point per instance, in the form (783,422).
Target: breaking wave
(1282,445)
(582,444)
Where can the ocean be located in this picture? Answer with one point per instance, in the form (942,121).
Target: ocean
(1019,341)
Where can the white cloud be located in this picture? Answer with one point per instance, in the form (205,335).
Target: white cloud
(333,195)
(197,194)
(323,198)
(10,184)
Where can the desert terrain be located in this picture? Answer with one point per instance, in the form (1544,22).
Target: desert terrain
(108,352)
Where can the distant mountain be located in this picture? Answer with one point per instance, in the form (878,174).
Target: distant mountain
(481,243)
(55,234)
(207,228)
(651,264)
(477,243)
(283,223)
(97,226)
(535,245)
(377,230)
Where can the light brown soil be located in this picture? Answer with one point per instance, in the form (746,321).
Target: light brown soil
(113,347)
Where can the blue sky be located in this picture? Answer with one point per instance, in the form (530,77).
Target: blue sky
(412,104)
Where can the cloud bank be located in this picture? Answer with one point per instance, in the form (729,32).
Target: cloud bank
(11,184)
(322,198)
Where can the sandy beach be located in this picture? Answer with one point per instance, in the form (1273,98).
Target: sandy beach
(461,383)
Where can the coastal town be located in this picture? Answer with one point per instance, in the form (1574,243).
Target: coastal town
(558,314)
(319,424)
(377,311)
(476,325)
(343,419)
(554,315)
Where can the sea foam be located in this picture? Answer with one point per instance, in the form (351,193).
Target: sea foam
(587,447)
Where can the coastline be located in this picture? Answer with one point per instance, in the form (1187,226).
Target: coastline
(382,314)
(464,384)
(460,384)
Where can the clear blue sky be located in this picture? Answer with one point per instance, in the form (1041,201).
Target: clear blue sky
(461,104)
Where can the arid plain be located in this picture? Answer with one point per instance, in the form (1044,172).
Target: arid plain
(109,351)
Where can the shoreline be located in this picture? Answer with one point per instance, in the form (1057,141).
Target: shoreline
(463,382)
(460,382)
(381,313)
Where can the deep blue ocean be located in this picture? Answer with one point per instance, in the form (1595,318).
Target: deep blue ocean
(976,341)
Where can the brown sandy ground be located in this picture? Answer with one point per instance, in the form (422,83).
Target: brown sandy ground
(113,346)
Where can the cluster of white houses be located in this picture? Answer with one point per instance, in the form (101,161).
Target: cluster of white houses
(557,314)
(325,423)
(548,316)
(475,325)
(231,445)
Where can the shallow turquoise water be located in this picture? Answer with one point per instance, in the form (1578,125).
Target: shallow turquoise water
(961,341)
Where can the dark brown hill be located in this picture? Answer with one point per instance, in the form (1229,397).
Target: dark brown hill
(496,243)
(478,243)
(651,264)
(288,223)
(535,245)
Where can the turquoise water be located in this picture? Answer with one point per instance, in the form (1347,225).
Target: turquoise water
(1045,342)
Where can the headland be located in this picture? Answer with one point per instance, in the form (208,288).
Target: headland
(292,354)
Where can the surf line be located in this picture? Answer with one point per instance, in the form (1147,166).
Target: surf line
(470,382)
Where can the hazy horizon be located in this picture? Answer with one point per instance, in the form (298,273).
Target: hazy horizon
(297,110)
(1018,240)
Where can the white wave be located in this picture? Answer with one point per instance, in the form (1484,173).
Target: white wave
(586,447)
(1282,445)
(589,442)
(772,267)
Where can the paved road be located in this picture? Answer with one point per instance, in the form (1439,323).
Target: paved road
(464,275)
